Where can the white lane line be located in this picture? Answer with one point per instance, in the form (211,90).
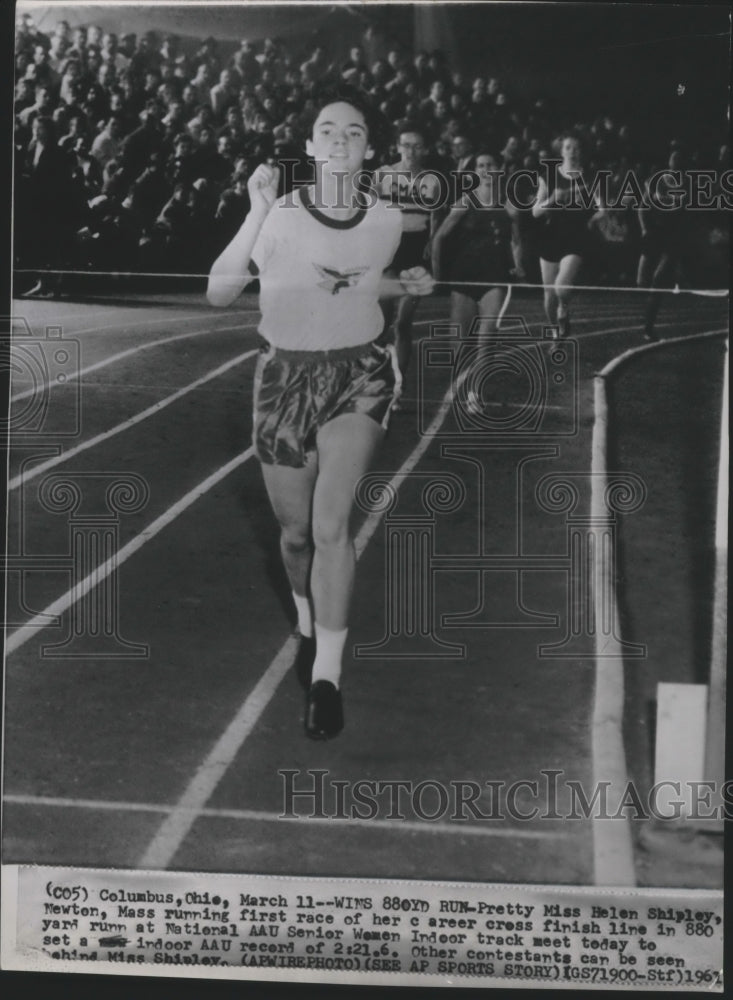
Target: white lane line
(371,522)
(37,470)
(209,773)
(460,827)
(40,621)
(18,344)
(121,311)
(626,328)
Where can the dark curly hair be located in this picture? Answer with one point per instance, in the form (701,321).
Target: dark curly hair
(336,92)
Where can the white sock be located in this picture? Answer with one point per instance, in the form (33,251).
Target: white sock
(305,618)
(329,650)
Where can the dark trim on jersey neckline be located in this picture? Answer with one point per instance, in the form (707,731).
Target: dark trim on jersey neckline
(306,202)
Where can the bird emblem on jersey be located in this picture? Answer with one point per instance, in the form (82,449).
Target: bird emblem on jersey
(334,281)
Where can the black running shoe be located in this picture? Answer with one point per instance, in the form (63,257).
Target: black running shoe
(324,715)
(303,663)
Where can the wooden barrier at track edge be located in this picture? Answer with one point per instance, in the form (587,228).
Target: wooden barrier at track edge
(613,855)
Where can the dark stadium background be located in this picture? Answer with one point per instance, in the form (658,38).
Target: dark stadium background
(626,60)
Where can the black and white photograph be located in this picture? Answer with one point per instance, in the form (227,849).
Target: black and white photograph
(367,464)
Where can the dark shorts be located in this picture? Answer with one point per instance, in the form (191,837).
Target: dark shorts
(297,392)
(562,236)
(476,291)
(410,252)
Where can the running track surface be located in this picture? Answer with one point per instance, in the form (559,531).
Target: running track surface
(174,758)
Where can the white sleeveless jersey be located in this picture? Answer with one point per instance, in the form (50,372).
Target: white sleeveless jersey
(320,278)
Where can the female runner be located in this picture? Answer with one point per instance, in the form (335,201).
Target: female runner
(324,385)
(480,267)
(565,240)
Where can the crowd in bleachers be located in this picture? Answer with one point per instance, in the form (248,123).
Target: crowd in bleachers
(132,153)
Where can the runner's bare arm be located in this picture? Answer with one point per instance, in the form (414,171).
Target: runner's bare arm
(414,281)
(229,273)
(447,226)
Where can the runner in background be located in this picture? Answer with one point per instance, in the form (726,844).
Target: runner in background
(407,185)
(479,264)
(664,231)
(564,238)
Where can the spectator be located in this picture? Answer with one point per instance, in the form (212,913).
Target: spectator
(174,120)
(314,68)
(200,225)
(146,57)
(202,83)
(60,119)
(176,212)
(133,95)
(429,104)
(245,63)
(189,101)
(70,87)
(374,44)
(77,128)
(138,146)
(94,35)
(78,42)
(208,53)
(225,93)
(90,61)
(421,73)
(231,212)
(150,191)
(354,65)
(111,54)
(205,151)
(463,153)
(63,31)
(86,172)
(107,76)
(22,63)
(128,46)
(44,74)
(151,84)
(204,117)
(25,95)
(221,164)
(96,104)
(108,144)
(512,154)
(58,48)
(438,66)
(169,48)
(42,106)
(181,165)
